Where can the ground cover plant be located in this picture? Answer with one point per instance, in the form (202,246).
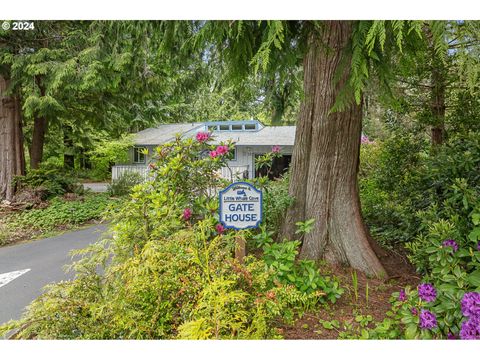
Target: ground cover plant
(58,214)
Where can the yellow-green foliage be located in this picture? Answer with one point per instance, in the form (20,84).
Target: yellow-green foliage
(180,287)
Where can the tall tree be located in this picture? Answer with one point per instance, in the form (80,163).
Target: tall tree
(431,73)
(338,59)
(12,161)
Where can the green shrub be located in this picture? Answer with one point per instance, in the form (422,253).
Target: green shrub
(401,182)
(452,269)
(107,152)
(276,200)
(52,181)
(124,184)
(303,274)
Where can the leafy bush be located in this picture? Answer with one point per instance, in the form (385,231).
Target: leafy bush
(276,200)
(124,184)
(52,182)
(401,182)
(446,305)
(303,274)
(107,152)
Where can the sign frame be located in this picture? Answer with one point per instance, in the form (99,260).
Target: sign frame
(220,211)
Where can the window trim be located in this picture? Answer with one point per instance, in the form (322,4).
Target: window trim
(137,153)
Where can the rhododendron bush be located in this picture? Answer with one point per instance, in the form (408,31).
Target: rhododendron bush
(169,269)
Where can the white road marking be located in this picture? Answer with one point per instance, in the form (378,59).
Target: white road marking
(7,277)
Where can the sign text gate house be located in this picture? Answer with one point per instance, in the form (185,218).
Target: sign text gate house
(240,208)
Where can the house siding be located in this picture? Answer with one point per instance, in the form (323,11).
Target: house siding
(246,155)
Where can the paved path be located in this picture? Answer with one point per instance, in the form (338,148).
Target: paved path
(26,268)
(96,187)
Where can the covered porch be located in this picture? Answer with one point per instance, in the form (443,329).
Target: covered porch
(231,173)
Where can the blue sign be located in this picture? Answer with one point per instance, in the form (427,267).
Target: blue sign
(240,206)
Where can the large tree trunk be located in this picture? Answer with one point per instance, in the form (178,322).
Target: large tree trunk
(38,139)
(438,88)
(326,158)
(437,104)
(68,148)
(40,125)
(12,159)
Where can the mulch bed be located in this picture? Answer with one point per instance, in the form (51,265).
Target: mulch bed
(401,273)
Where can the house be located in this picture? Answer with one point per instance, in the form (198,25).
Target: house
(251,137)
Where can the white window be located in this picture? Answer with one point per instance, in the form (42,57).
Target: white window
(139,155)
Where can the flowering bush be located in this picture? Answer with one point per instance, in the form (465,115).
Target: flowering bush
(447,304)
(169,270)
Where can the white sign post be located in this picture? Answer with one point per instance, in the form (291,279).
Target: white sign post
(240,206)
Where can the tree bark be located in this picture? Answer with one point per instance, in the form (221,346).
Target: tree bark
(326,159)
(68,148)
(12,158)
(437,105)
(40,127)
(438,90)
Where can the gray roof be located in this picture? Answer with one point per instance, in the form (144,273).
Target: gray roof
(163,133)
(268,135)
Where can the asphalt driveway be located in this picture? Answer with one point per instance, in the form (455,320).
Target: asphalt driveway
(26,268)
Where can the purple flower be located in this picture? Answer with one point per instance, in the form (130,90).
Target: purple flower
(414,311)
(471,304)
(402,296)
(187,214)
(470,329)
(276,149)
(427,292)
(427,320)
(451,243)
(365,140)
(202,136)
(451,336)
(478,246)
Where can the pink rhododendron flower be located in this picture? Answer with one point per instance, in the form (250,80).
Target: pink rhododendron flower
(276,149)
(187,214)
(222,149)
(220,229)
(202,136)
(213,154)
